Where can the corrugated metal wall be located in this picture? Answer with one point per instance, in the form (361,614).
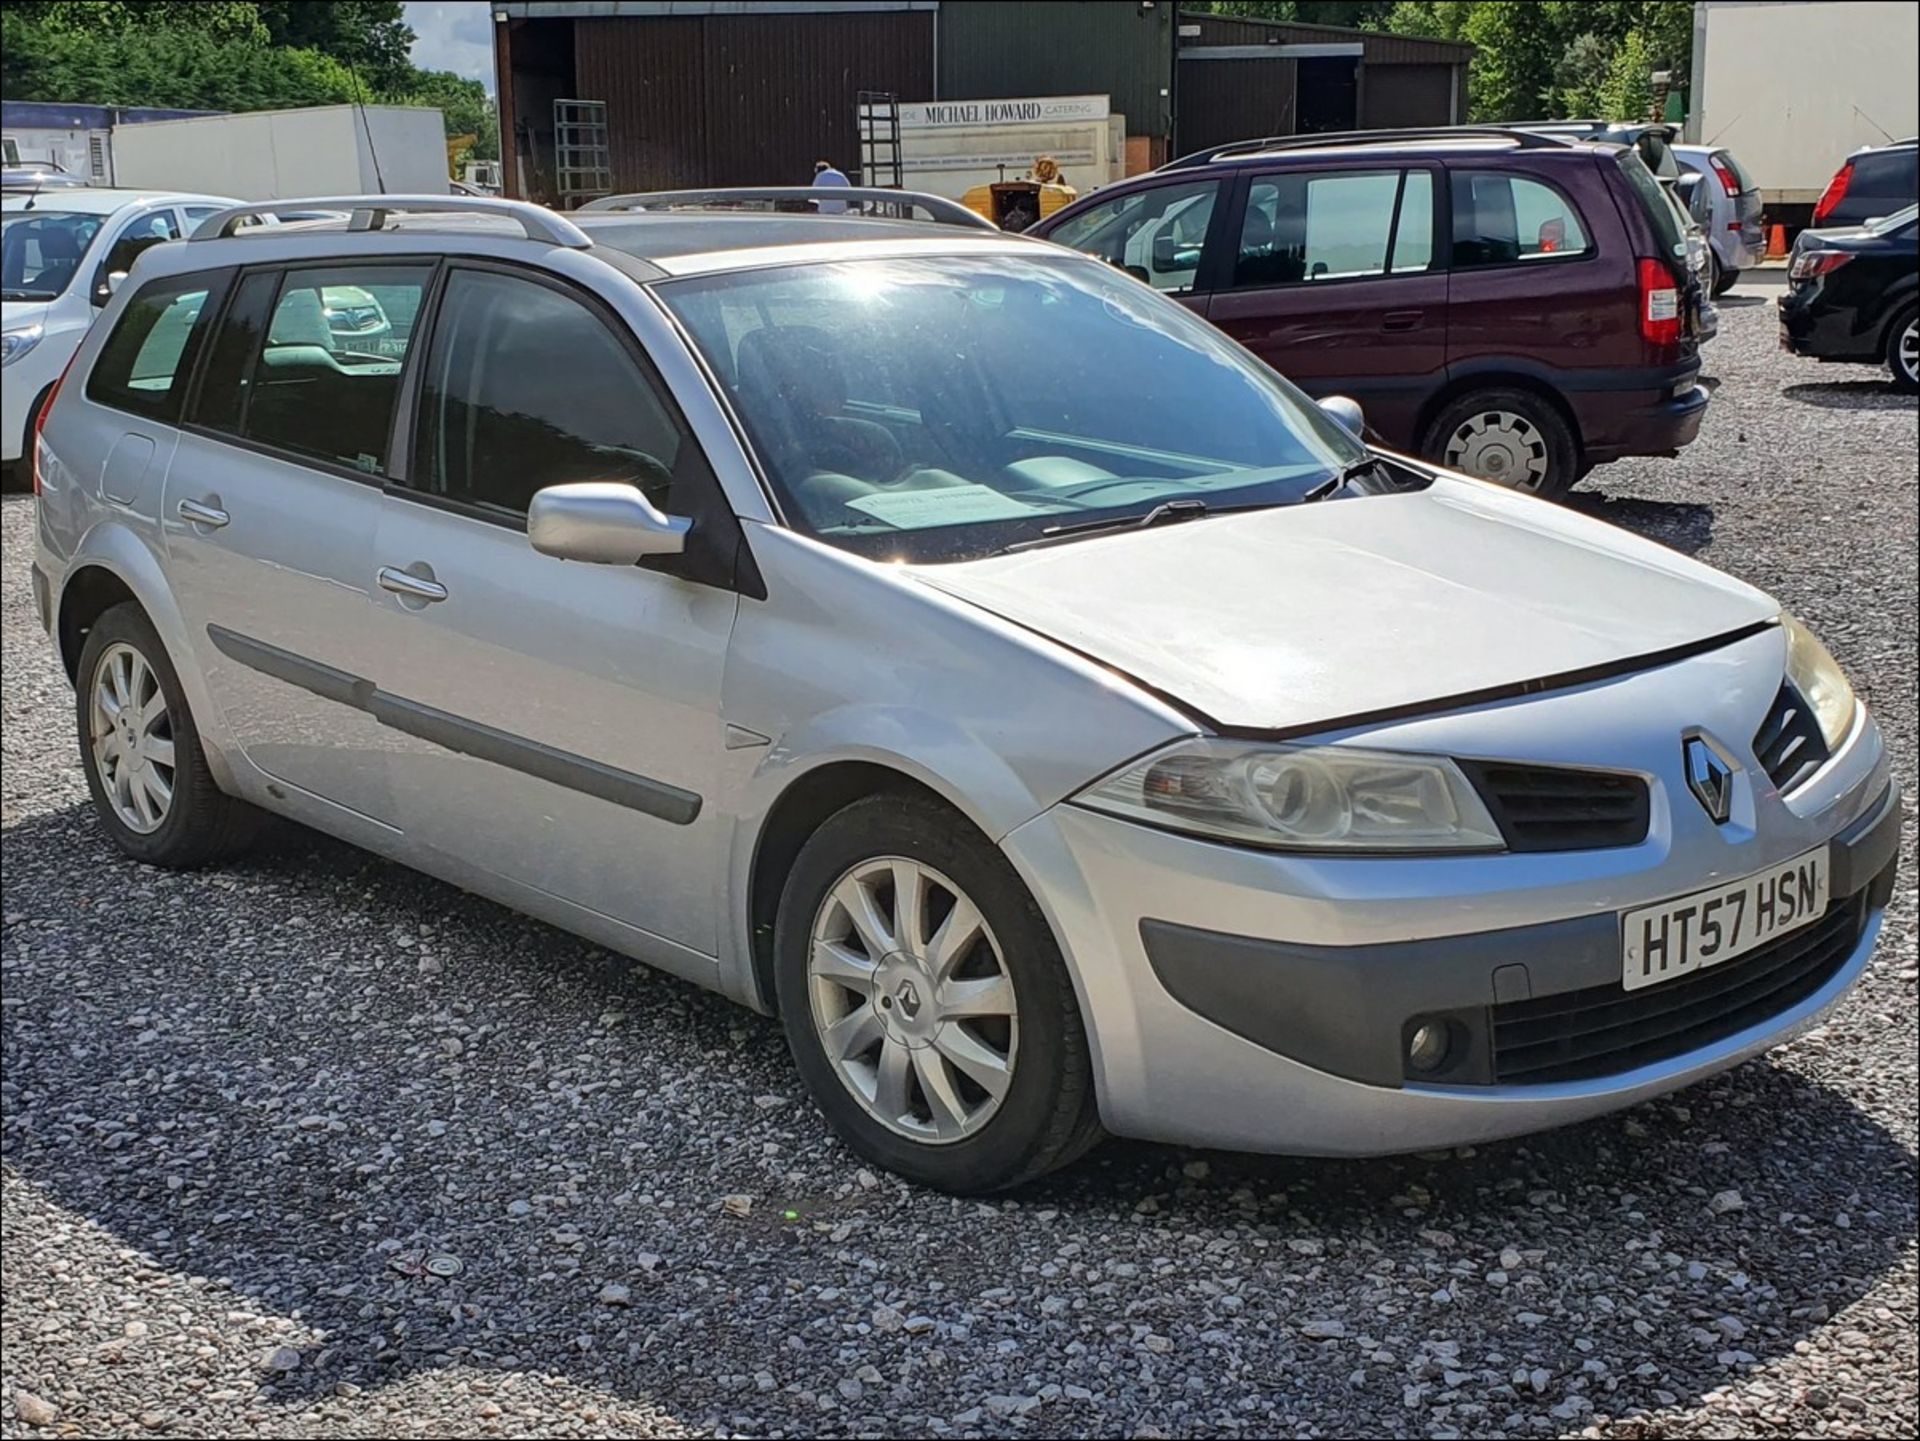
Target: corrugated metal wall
(743,100)
(1380,49)
(1226,100)
(999,49)
(1402,95)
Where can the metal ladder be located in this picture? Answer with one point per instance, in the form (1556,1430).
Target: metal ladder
(880,139)
(582,163)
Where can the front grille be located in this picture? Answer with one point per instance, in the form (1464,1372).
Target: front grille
(1557,808)
(1603,1030)
(1789,744)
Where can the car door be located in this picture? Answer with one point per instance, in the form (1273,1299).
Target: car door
(1157,234)
(272,502)
(1336,283)
(571,711)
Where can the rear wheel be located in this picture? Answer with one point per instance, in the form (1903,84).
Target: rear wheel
(1511,437)
(925,1001)
(1903,351)
(141,750)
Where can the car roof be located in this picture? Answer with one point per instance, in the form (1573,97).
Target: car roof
(1436,141)
(102,201)
(647,245)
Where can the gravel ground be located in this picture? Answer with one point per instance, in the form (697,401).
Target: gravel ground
(243,1109)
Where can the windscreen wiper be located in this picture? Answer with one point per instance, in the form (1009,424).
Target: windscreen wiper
(1168,512)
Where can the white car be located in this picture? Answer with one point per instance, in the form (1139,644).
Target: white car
(57,250)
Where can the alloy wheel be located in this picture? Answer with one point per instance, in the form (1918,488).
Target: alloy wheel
(912,1001)
(131,733)
(1502,447)
(1909,354)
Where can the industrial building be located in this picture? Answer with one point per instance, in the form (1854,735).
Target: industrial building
(674,93)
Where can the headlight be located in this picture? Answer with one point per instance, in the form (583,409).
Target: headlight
(1820,681)
(1331,798)
(16,343)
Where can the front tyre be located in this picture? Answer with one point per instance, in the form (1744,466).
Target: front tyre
(141,750)
(1510,437)
(1903,352)
(925,1001)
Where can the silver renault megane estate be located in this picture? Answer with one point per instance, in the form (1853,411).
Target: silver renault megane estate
(945,642)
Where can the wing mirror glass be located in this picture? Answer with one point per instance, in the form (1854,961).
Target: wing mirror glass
(602,522)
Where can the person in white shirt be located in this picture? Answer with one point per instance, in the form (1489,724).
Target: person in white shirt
(825,174)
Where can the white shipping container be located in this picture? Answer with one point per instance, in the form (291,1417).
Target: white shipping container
(1792,89)
(287,154)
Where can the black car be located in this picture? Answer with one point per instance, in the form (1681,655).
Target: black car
(1852,295)
(1871,183)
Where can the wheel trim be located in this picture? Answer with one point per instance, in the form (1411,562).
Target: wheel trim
(1502,447)
(1908,357)
(130,737)
(911,1000)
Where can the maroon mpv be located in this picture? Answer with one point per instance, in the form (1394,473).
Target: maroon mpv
(1514,306)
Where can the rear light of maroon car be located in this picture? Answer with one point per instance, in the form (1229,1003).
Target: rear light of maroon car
(1660,318)
(1835,192)
(1809,264)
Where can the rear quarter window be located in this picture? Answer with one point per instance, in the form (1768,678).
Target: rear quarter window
(144,365)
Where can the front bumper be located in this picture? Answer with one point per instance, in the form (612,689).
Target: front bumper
(1317,963)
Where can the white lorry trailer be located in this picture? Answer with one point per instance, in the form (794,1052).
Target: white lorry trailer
(1793,88)
(285,154)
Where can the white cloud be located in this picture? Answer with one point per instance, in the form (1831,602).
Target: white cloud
(456,35)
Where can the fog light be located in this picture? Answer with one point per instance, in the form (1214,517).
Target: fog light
(1427,1047)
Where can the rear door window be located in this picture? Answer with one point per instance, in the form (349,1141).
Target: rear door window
(1156,235)
(1502,219)
(327,378)
(145,363)
(1319,227)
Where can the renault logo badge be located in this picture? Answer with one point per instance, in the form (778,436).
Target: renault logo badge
(1710,778)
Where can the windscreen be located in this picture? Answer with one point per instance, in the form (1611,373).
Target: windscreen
(945,408)
(40,251)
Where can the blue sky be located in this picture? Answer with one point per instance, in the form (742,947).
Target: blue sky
(454,35)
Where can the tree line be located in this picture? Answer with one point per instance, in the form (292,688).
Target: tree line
(231,55)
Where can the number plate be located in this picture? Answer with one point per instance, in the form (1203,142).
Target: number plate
(1679,937)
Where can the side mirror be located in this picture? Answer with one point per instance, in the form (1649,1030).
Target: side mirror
(603,522)
(1345,410)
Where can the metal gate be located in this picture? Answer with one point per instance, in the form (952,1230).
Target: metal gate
(582,163)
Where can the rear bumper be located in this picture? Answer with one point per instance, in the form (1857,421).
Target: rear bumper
(1824,332)
(1653,421)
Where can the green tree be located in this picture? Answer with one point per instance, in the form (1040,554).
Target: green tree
(371,36)
(220,19)
(463,103)
(1511,77)
(1354,14)
(1627,93)
(1580,77)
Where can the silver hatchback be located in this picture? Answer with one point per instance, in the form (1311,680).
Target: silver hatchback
(944,641)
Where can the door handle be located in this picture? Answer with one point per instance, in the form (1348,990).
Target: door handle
(412,587)
(1402,319)
(198,513)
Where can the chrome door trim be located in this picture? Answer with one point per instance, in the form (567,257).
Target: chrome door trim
(650,797)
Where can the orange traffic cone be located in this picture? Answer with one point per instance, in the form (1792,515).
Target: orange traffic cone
(1777,242)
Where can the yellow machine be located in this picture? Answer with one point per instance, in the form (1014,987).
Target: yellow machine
(1013,205)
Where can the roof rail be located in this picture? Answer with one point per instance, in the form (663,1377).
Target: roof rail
(370,212)
(1525,140)
(877,201)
